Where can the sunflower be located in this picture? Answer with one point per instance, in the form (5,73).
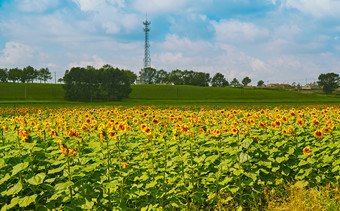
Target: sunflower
(318,134)
(306,150)
(326,130)
(148,131)
(234,131)
(278,123)
(262,125)
(284,131)
(300,122)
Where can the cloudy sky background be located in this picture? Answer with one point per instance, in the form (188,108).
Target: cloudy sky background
(278,41)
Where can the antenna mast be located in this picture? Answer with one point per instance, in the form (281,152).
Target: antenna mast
(147,59)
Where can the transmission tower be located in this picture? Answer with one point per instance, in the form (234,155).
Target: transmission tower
(147,59)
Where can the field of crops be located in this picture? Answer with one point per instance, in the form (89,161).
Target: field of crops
(166,157)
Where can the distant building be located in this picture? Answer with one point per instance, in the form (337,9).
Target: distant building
(310,87)
(279,86)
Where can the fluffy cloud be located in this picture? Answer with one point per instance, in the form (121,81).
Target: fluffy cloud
(317,8)
(235,31)
(16,54)
(156,6)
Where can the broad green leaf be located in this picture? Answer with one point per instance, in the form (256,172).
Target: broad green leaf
(63,186)
(328,159)
(244,157)
(19,167)
(37,179)
(234,190)
(27,200)
(2,163)
(280,159)
(56,170)
(151,184)
(5,178)
(13,203)
(15,189)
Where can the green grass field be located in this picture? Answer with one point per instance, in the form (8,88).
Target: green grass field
(168,94)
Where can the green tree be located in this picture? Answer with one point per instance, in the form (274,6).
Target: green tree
(89,84)
(219,80)
(246,80)
(28,74)
(131,75)
(260,83)
(14,74)
(147,75)
(162,77)
(3,74)
(329,82)
(235,82)
(176,77)
(200,79)
(44,74)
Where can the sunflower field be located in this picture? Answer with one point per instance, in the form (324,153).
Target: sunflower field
(163,157)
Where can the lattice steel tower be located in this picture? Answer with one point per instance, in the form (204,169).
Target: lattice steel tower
(147,59)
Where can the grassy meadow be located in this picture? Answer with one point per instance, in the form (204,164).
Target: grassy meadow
(171,95)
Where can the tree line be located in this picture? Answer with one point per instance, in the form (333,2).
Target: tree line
(188,77)
(91,84)
(27,74)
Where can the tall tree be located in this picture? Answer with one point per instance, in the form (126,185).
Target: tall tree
(176,77)
(14,74)
(329,82)
(162,77)
(28,74)
(235,82)
(3,75)
(219,80)
(147,75)
(106,83)
(200,79)
(44,74)
(246,80)
(260,83)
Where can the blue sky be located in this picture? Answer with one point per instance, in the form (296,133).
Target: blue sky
(278,41)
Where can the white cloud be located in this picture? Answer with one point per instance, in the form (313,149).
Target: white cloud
(235,31)
(87,60)
(89,5)
(157,6)
(16,54)
(317,8)
(36,5)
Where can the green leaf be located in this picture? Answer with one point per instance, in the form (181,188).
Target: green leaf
(280,159)
(52,171)
(62,186)
(4,179)
(15,189)
(2,163)
(37,179)
(13,203)
(328,159)
(151,184)
(27,200)
(244,157)
(234,190)
(19,167)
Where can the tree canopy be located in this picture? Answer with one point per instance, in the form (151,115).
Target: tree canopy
(235,82)
(246,80)
(90,84)
(219,80)
(329,82)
